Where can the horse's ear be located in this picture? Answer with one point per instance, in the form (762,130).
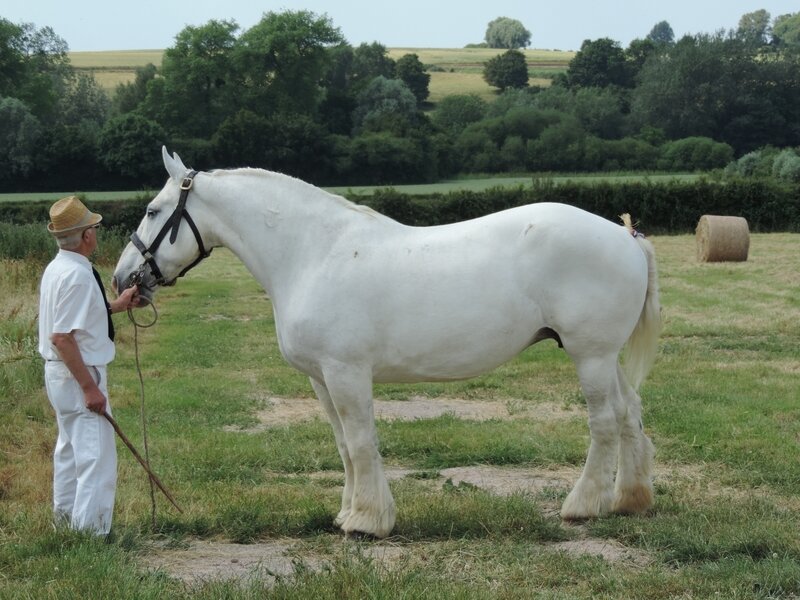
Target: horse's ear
(173,164)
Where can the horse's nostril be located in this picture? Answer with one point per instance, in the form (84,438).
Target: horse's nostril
(114,286)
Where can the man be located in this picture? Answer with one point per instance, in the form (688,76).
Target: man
(76,339)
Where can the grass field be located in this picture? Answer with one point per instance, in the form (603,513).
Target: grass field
(455,70)
(259,479)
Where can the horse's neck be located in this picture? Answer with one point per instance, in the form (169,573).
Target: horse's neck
(276,224)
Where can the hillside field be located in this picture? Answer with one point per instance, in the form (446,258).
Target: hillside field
(452,70)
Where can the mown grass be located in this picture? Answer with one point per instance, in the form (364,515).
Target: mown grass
(720,405)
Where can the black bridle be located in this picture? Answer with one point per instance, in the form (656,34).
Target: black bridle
(173,224)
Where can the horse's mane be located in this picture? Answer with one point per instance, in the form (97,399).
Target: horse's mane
(283,178)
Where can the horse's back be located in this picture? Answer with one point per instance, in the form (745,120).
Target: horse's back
(453,301)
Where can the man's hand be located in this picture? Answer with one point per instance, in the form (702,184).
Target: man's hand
(94,399)
(129,298)
(68,349)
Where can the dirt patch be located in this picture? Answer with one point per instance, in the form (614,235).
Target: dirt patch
(286,411)
(609,550)
(200,561)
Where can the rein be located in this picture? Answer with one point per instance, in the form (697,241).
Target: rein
(136,326)
(171,226)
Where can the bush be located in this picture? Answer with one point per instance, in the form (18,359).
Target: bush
(32,242)
(695,154)
(472,148)
(673,207)
(786,166)
(747,166)
(381,158)
(455,112)
(561,147)
(381,101)
(117,214)
(28,241)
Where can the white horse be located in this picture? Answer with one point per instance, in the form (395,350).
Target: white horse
(360,298)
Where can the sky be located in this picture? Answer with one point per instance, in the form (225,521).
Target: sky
(88,25)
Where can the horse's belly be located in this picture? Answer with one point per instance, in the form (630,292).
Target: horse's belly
(450,355)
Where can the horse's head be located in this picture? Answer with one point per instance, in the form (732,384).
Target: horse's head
(167,242)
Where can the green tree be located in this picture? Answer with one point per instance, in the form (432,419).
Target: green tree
(456,111)
(68,157)
(661,34)
(282,60)
(33,67)
(513,98)
(384,104)
(754,27)
(130,146)
(411,71)
(241,140)
(504,32)
(599,63)
(370,61)
(195,93)
(560,147)
(637,52)
(83,100)
(600,111)
(20,132)
(786,30)
(128,96)
(720,87)
(381,158)
(12,57)
(297,146)
(507,70)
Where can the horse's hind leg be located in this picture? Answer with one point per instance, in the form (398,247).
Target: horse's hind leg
(593,494)
(634,485)
(341,444)
(371,506)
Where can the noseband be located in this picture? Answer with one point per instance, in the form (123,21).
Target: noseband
(173,223)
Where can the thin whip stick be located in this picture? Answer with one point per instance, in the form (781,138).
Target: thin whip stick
(153,477)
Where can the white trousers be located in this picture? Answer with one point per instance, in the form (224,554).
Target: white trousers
(85,458)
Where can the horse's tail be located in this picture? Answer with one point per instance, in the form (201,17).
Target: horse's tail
(642,347)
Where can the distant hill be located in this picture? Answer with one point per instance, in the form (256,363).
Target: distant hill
(452,70)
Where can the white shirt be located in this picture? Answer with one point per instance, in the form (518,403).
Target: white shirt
(71,301)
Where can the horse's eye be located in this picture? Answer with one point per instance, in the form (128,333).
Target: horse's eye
(151,212)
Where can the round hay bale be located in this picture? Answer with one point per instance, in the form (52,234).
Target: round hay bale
(722,239)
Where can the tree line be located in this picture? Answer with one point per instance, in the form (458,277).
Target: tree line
(291,95)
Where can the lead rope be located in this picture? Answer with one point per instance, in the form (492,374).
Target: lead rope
(136,327)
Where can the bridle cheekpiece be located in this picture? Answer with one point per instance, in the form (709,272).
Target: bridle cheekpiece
(172,225)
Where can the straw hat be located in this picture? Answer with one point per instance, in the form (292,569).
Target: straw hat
(70,214)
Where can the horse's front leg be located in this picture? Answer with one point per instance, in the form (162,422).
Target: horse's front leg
(341,444)
(371,506)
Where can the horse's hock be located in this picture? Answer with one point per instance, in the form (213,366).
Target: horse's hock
(722,239)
